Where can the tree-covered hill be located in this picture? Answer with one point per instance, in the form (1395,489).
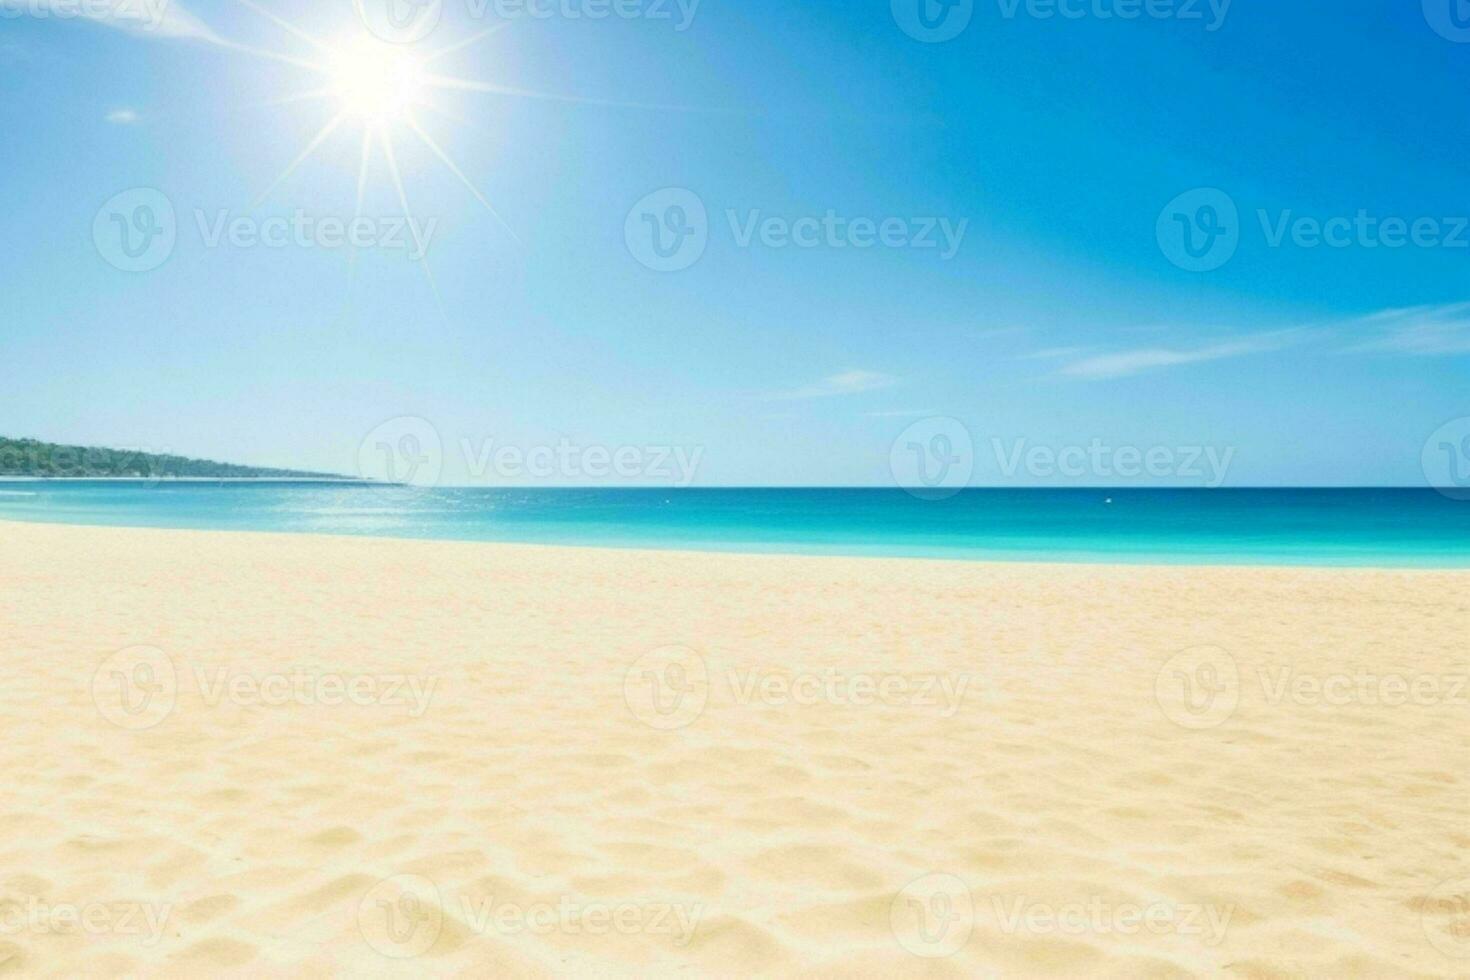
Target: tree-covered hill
(30,457)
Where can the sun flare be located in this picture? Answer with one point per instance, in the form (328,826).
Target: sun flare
(375,81)
(385,94)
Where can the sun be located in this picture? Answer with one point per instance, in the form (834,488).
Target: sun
(377,82)
(385,93)
(382,91)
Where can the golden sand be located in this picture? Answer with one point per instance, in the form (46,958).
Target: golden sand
(244,754)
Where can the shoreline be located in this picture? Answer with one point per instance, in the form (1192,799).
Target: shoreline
(776,552)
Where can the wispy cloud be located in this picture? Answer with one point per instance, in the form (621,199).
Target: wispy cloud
(1120,364)
(143,18)
(1420,331)
(1055,353)
(902,413)
(122,117)
(849,382)
(1425,331)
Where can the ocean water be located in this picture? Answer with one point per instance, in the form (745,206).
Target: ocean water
(1366,527)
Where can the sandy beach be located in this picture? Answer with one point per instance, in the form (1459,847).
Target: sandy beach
(251,754)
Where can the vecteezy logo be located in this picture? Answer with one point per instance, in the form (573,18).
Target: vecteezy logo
(1198,688)
(667,688)
(136,688)
(403,450)
(933,916)
(1445,913)
(401,917)
(933,459)
(1199,230)
(135,231)
(400,21)
(1446,459)
(668,230)
(1449,18)
(933,21)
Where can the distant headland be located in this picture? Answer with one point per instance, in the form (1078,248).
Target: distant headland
(49,460)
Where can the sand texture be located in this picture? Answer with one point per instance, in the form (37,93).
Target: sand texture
(261,755)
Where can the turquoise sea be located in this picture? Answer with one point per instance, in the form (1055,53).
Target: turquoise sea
(1369,527)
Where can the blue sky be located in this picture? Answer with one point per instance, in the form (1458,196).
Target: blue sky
(1059,152)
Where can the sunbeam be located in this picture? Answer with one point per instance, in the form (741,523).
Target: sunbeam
(316,141)
(270,55)
(469,85)
(286,25)
(461,45)
(362,174)
(313,95)
(408,213)
(379,87)
(454,169)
